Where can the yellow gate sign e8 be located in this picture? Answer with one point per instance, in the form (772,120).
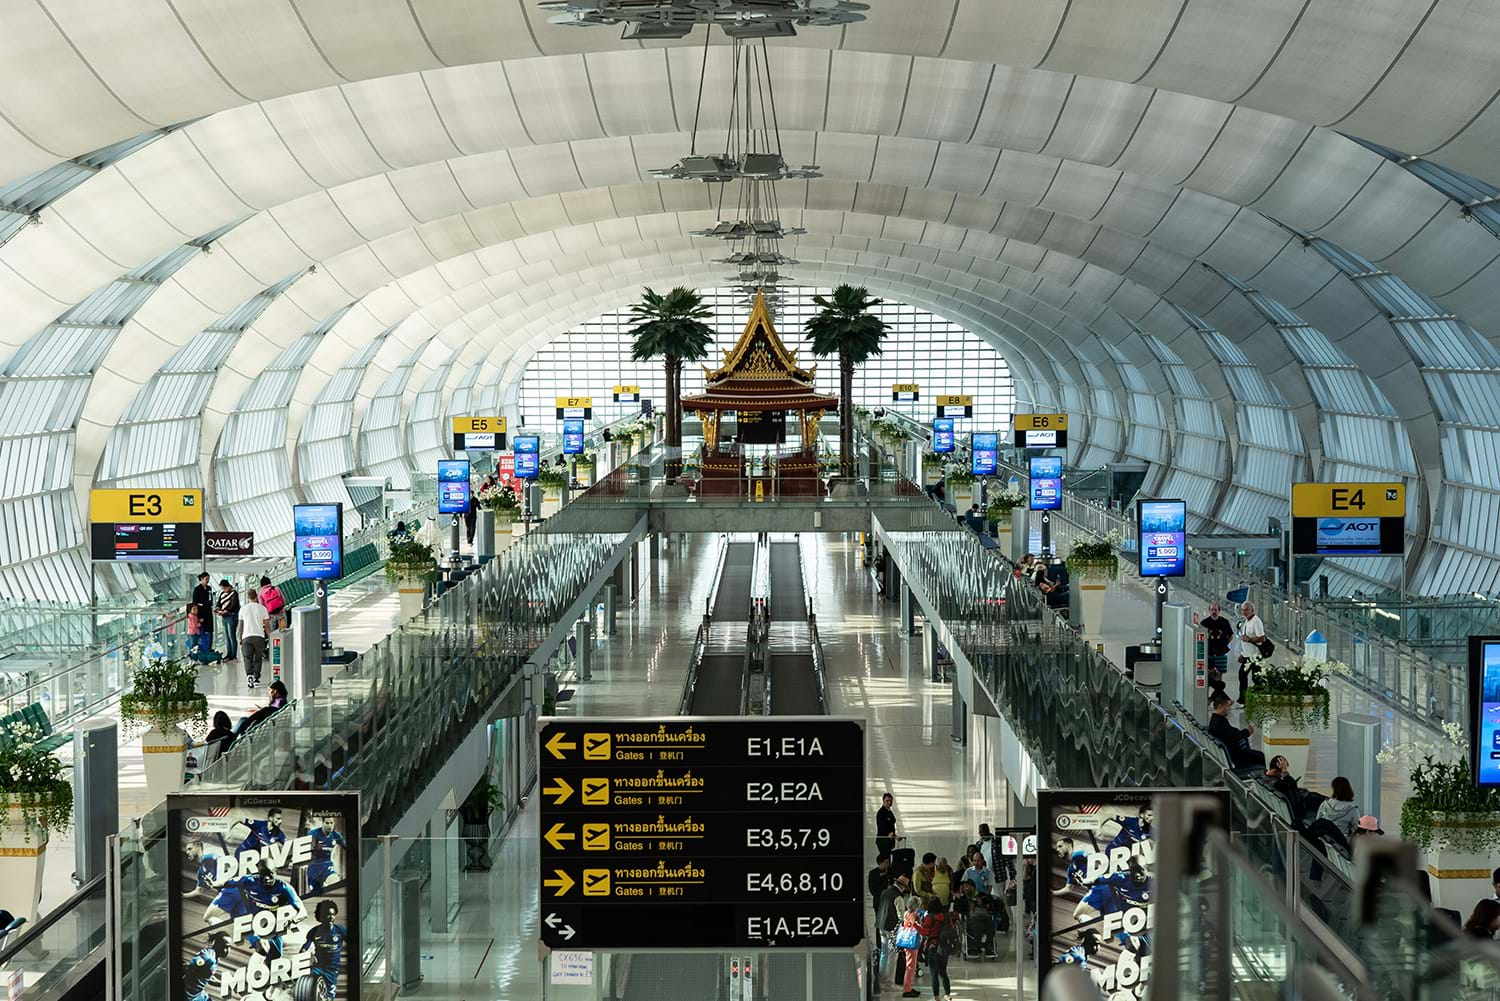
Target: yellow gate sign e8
(166,506)
(1342,500)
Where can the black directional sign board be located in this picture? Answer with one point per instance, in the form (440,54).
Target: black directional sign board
(702,833)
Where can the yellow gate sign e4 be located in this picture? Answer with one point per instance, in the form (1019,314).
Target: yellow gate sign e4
(167,506)
(1344,500)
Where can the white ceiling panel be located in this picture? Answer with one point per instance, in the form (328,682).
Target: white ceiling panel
(384,36)
(1196,59)
(1249,154)
(262,50)
(1097,120)
(1021,109)
(944,99)
(399,118)
(633,93)
(1112,40)
(870,92)
(324,136)
(907,162)
(477,107)
(1173,136)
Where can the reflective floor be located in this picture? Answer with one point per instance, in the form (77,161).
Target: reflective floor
(942,791)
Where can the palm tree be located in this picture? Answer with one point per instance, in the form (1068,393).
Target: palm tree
(846,327)
(671,327)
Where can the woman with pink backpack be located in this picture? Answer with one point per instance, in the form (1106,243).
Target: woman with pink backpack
(274,603)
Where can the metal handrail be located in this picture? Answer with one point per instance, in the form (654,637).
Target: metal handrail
(695,662)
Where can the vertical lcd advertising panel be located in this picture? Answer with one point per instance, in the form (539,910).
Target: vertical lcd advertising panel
(1163,537)
(1098,874)
(453,486)
(942,435)
(527,448)
(984,453)
(318,541)
(1484,709)
(263,898)
(1046,483)
(573,436)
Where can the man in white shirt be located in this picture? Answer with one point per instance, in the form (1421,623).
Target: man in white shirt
(255,630)
(1252,633)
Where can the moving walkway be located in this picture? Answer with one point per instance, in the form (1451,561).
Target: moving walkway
(794,667)
(718,682)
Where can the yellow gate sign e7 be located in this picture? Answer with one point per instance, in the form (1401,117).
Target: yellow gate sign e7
(146,506)
(1335,500)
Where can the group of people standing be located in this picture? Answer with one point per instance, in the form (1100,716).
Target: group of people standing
(245,625)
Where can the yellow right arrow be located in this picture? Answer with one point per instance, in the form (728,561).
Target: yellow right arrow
(560,789)
(556,836)
(563,883)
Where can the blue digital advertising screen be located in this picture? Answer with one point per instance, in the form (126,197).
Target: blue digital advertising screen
(985,449)
(942,435)
(1484,709)
(453,486)
(572,436)
(1046,483)
(318,541)
(527,448)
(1163,537)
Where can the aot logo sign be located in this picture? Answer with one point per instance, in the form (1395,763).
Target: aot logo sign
(1349,533)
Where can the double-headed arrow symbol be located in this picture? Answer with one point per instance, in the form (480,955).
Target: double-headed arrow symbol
(558,744)
(563,883)
(560,789)
(566,933)
(556,836)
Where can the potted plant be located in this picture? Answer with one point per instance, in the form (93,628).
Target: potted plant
(932,468)
(958,483)
(165,696)
(37,800)
(482,803)
(501,499)
(584,466)
(411,566)
(1287,703)
(1003,504)
(1454,822)
(888,431)
(1094,556)
(553,480)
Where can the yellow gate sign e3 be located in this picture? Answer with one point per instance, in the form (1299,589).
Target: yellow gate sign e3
(1041,422)
(167,506)
(1338,500)
(478,425)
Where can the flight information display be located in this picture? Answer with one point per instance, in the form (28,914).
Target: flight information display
(528,448)
(318,541)
(146,542)
(942,435)
(708,833)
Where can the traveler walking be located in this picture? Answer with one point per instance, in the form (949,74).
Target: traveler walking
(228,607)
(255,630)
(941,933)
(1253,644)
(1219,633)
(273,603)
(909,941)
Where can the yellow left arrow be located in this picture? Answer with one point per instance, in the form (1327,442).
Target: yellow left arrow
(557,745)
(560,789)
(556,836)
(562,884)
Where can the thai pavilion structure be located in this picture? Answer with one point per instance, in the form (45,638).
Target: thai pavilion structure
(760,385)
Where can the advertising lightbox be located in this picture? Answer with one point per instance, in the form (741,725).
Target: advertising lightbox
(573,436)
(942,435)
(1163,537)
(1484,710)
(984,453)
(1046,483)
(453,486)
(318,541)
(528,448)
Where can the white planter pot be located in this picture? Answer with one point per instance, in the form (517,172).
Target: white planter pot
(165,756)
(1088,596)
(961,495)
(23,855)
(503,530)
(1458,880)
(411,599)
(1292,742)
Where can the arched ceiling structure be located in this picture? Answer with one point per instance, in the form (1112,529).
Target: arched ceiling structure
(1095,188)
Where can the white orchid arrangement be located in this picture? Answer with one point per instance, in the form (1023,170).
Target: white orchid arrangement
(1294,691)
(1443,789)
(1095,554)
(957,473)
(31,780)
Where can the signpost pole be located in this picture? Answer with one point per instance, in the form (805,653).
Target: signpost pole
(1046,533)
(1019,925)
(1161,605)
(320,591)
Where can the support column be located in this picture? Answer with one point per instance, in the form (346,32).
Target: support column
(609,608)
(484,537)
(583,636)
(1021,815)
(908,611)
(930,667)
(960,720)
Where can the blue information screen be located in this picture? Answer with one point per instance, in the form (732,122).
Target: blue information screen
(527,447)
(986,448)
(1046,483)
(572,436)
(318,541)
(1163,542)
(1484,673)
(453,486)
(942,435)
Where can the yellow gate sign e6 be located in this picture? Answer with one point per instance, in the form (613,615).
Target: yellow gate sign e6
(165,506)
(1336,500)
(1041,422)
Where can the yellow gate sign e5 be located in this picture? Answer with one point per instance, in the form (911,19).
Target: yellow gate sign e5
(478,425)
(1336,500)
(166,506)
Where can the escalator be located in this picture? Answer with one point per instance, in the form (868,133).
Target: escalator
(794,674)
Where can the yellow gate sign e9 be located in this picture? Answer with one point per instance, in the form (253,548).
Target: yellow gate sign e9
(1335,500)
(622,391)
(173,506)
(1041,422)
(478,425)
(955,401)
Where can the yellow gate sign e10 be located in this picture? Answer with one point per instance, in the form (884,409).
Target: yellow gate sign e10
(478,425)
(146,506)
(905,387)
(1343,500)
(1041,422)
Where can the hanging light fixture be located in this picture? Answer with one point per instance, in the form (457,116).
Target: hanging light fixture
(739,19)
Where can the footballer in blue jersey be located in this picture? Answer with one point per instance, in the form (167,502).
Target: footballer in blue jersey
(325,839)
(200,970)
(262,832)
(1078,955)
(326,940)
(262,890)
(207,861)
(1077,864)
(1132,829)
(1115,893)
